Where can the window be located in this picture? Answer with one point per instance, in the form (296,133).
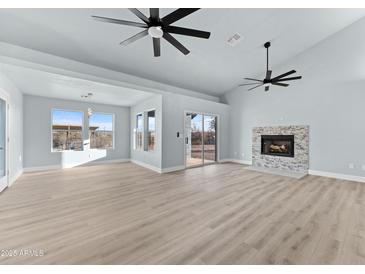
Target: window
(138,142)
(67,130)
(151,130)
(101,130)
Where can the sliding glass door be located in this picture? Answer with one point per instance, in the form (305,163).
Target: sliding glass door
(200,139)
(209,138)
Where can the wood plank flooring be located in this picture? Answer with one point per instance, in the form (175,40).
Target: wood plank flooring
(218,214)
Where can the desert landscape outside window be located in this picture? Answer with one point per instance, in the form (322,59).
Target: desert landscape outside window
(151,130)
(67,130)
(139,132)
(101,130)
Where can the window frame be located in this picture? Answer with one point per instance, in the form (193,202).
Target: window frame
(82,128)
(113,125)
(135,131)
(146,129)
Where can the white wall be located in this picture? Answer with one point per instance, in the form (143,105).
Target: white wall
(173,122)
(330,99)
(15,127)
(150,158)
(37,133)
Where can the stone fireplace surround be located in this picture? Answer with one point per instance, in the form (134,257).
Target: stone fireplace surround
(299,163)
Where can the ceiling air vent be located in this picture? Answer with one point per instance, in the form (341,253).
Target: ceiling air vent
(234,39)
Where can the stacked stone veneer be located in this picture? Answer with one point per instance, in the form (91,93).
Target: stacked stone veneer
(300,162)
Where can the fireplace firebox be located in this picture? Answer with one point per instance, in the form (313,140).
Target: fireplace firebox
(277,145)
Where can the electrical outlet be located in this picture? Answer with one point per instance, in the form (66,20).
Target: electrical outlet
(242,155)
(351,165)
(363,167)
(20,158)
(235,153)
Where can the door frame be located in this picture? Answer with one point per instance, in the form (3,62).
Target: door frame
(4,96)
(217,133)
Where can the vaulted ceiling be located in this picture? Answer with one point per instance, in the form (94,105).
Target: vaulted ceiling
(213,67)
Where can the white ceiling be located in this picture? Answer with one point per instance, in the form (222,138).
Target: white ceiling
(213,67)
(41,83)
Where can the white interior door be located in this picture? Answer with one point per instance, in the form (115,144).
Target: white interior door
(3,144)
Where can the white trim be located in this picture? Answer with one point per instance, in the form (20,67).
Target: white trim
(156,169)
(172,169)
(15,177)
(105,162)
(41,168)
(242,162)
(340,176)
(92,163)
(337,175)
(4,95)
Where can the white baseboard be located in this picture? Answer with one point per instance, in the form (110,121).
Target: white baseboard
(156,169)
(15,177)
(172,169)
(53,167)
(242,162)
(105,162)
(311,172)
(337,175)
(41,168)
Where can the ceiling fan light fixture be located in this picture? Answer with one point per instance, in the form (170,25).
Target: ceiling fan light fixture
(155,32)
(268,80)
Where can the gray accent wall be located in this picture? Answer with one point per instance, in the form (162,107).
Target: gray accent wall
(37,133)
(170,108)
(15,127)
(150,158)
(173,154)
(330,99)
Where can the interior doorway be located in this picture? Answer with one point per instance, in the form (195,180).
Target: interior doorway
(200,139)
(3,142)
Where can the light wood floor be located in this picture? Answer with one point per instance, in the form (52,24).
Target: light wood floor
(218,214)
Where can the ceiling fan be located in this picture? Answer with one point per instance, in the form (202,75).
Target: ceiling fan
(158,28)
(276,81)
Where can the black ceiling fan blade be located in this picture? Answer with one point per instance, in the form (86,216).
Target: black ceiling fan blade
(135,37)
(156,47)
(188,32)
(288,79)
(120,22)
(155,14)
(256,87)
(140,15)
(280,84)
(252,79)
(175,43)
(267,88)
(283,75)
(248,84)
(177,15)
(268,74)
